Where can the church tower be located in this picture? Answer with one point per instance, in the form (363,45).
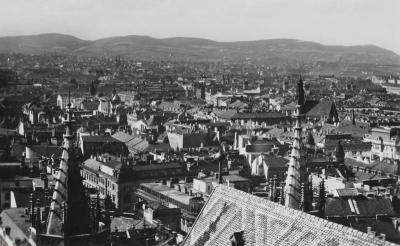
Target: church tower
(69,221)
(292,184)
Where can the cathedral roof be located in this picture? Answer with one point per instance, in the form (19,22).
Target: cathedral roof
(229,211)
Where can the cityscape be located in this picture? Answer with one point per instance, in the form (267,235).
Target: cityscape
(151,140)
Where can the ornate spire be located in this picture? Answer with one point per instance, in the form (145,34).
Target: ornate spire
(303,198)
(68,122)
(300,92)
(321,197)
(292,186)
(221,159)
(282,194)
(69,206)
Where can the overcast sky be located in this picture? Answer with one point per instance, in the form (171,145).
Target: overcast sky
(342,22)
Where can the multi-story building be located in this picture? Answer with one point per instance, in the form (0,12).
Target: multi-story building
(385,143)
(119,178)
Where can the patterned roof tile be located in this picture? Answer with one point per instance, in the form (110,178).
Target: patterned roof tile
(266,223)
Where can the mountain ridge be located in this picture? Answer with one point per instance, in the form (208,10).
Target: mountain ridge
(187,48)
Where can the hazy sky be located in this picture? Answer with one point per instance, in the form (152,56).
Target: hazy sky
(345,22)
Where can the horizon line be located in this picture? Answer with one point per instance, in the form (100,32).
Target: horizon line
(208,39)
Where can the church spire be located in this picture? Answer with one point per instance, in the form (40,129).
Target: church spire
(69,206)
(300,92)
(221,159)
(292,186)
(68,123)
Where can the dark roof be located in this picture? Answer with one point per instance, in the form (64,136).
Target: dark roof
(376,165)
(233,114)
(90,105)
(358,130)
(276,161)
(347,144)
(319,108)
(380,225)
(46,150)
(99,139)
(266,223)
(256,148)
(361,206)
(262,115)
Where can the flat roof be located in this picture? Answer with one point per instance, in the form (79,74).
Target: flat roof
(168,191)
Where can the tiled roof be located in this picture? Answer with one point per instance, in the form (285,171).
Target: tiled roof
(123,136)
(359,205)
(266,223)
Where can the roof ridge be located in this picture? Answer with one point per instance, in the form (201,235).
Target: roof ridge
(279,212)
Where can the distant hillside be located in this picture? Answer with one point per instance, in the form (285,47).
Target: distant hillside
(144,47)
(40,43)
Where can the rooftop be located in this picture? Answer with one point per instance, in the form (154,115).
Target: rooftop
(266,223)
(169,192)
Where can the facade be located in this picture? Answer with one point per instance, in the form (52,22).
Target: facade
(173,195)
(385,143)
(186,140)
(104,173)
(119,178)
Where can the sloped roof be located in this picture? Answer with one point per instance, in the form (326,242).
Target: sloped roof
(99,139)
(362,205)
(225,114)
(276,161)
(266,223)
(123,136)
(259,148)
(319,108)
(377,165)
(46,150)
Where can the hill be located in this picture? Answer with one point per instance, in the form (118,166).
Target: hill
(277,51)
